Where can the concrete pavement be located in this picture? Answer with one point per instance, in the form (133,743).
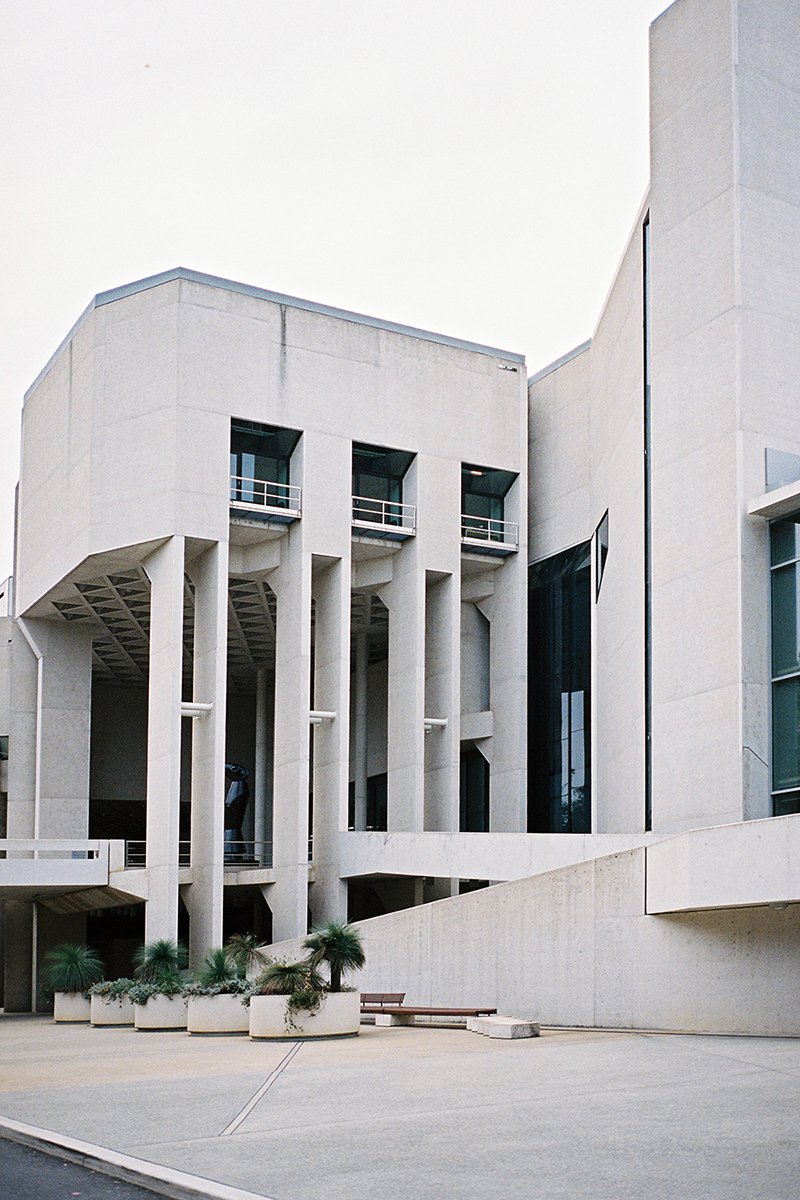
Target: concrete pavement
(433,1114)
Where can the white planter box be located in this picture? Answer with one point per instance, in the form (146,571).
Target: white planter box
(71,1006)
(217,1014)
(161,1012)
(339,1016)
(112,1010)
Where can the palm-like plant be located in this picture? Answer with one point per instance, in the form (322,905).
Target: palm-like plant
(218,969)
(160,961)
(247,952)
(339,947)
(289,978)
(71,968)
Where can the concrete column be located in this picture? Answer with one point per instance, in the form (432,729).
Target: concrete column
(18,952)
(332,738)
(209,573)
(263,762)
(65,729)
(23,773)
(442,699)
(164,568)
(507,611)
(289,896)
(405,751)
(361,717)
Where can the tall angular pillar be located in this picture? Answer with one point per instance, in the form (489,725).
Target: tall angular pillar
(360,732)
(289,895)
(405,752)
(209,573)
(262,800)
(164,569)
(507,608)
(443,700)
(331,589)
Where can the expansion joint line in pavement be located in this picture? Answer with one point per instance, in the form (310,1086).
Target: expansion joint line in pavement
(262,1091)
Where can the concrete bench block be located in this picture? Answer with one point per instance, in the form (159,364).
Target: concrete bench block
(503,1027)
(388,1018)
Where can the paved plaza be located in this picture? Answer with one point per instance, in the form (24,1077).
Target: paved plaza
(428,1114)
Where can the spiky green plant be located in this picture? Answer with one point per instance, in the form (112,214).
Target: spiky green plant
(218,969)
(288,978)
(337,946)
(160,961)
(71,968)
(247,952)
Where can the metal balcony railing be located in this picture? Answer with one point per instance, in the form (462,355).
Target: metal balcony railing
(487,533)
(384,516)
(262,496)
(248,854)
(136,854)
(240,854)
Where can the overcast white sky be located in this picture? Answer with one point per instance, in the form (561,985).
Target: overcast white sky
(464,166)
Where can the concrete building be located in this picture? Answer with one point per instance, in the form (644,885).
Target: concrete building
(396,554)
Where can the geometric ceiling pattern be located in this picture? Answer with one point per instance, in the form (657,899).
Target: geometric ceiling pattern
(118,606)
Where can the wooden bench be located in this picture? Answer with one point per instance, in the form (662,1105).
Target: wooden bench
(377,1001)
(389,1009)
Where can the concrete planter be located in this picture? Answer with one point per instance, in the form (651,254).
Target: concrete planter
(339,1016)
(217,1014)
(71,1006)
(161,1012)
(112,1010)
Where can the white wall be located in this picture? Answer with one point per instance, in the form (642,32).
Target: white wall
(574,948)
(586,458)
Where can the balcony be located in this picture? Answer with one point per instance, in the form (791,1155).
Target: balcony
(383,518)
(488,535)
(262,500)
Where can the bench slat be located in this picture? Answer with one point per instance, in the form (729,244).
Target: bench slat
(415,1011)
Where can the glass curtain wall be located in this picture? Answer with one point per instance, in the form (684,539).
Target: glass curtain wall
(559,693)
(785,571)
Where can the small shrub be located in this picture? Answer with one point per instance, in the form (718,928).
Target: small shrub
(284,978)
(219,970)
(337,946)
(162,959)
(113,989)
(247,952)
(70,968)
(140,993)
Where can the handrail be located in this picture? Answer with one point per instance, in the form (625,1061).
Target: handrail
(264,494)
(248,854)
(391,513)
(136,853)
(489,529)
(243,854)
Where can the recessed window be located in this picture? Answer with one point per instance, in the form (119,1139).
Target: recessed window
(378,473)
(260,463)
(474,798)
(785,580)
(559,693)
(483,496)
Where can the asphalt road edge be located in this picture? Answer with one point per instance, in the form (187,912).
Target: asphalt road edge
(164,1181)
